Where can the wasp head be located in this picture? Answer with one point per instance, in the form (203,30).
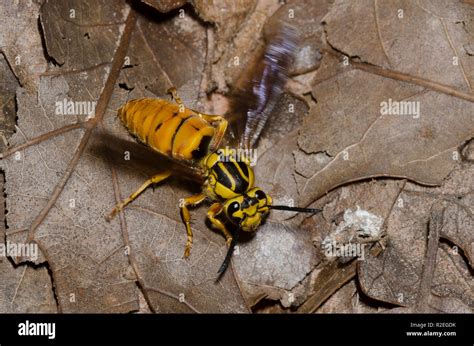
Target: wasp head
(248,210)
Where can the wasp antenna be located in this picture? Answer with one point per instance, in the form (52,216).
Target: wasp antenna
(300,210)
(228,256)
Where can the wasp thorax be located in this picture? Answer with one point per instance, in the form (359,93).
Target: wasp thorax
(248,210)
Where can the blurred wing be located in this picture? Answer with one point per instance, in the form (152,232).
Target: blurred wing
(254,99)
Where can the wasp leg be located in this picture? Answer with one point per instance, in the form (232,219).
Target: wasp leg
(153,180)
(213,211)
(191,201)
(174,95)
(220,131)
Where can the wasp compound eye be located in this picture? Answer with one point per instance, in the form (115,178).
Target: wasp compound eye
(259,194)
(233,212)
(233,207)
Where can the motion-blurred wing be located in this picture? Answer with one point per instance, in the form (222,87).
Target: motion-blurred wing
(255,97)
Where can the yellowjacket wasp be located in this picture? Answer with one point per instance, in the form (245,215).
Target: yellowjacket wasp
(193,138)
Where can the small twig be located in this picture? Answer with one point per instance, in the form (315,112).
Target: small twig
(434,229)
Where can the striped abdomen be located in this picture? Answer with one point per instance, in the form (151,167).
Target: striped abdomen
(160,125)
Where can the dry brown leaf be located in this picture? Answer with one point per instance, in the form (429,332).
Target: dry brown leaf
(357,139)
(420,38)
(227,16)
(273,262)
(24,288)
(370,144)
(85,255)
(340,226)
(347,300)
(156,45)
(395,275)
(427,301)
(20,34)
(8,87)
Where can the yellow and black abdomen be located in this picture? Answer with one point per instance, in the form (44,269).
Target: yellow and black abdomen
(174,131)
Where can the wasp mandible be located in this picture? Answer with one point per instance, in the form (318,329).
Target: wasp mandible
(193,138)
